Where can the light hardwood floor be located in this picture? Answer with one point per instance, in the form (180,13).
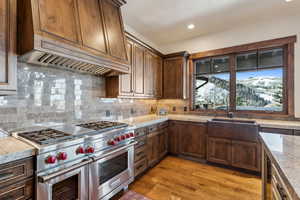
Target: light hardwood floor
(178,179)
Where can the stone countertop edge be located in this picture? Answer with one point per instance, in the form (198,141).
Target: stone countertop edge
(294,193)
(148,120)
(12,149)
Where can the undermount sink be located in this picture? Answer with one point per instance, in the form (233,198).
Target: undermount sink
(234,121)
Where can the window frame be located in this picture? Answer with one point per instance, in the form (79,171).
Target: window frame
(287,44)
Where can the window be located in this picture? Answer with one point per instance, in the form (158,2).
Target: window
(253,81)
(212,83)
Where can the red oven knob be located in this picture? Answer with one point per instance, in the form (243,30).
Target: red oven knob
(127,136)
(131,134)
(80,150)
(112,142)
(123,137)
(117,139)
(62,156)
(90,150)
(50,160)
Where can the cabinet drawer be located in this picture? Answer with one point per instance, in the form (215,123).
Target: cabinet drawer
(163,125)
(15,171)
(141,141)
(140,153)
(21,191)
(279,190)
(152,128)
(140,132)
(140,167)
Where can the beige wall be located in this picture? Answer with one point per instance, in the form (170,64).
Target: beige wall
(271,29)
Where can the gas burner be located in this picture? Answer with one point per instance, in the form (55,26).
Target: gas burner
(103,125)
(46,136)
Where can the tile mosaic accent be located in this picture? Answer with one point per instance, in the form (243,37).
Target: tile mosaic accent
(49,95)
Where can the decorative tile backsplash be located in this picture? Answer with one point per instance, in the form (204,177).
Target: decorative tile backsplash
(48,95)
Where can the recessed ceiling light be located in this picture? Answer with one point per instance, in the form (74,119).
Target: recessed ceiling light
(191,26)
(288,0)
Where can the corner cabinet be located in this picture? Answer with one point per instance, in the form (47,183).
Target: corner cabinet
(187,139)
(175,76)
(8,58)
(145,79)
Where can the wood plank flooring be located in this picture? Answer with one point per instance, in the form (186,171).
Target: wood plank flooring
(178,179)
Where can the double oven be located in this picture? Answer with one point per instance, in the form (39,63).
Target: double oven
(99,176)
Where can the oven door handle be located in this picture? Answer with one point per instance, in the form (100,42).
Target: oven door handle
(110,152)
(44,179)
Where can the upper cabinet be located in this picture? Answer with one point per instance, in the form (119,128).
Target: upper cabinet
(175,76)
(8,58)
(85,36)
(145,80)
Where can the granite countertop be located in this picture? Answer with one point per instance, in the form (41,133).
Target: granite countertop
(12,149)
(147,120)
(284,152)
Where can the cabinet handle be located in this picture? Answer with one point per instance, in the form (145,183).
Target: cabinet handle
(281,192)
(6,175)
(140,166)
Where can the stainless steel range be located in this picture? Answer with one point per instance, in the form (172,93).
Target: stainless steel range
(89,161)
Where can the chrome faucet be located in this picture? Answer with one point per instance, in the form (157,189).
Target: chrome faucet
(230,114)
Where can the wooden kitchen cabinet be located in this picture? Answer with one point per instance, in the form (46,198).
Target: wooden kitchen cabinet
(17,180)
(219,150)
(187,139)
(152,148)
(246,155)
(175,76)
(8,57)
(138,70)
(162,143)
(126,80)
(173,137)
(192,137)
(145,79)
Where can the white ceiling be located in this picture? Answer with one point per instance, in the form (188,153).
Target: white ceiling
(164,21)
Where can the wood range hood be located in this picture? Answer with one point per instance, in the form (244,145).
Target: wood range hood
(77,35)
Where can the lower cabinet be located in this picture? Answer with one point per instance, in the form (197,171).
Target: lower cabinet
(246,155)
(219,150)
(16,180)
(187,139)
(152,148)
(241,154)
(192,137)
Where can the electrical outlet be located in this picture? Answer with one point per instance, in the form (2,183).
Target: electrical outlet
(174,108)
(107,113)
(185,108)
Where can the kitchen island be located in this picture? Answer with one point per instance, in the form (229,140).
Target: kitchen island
(280,166)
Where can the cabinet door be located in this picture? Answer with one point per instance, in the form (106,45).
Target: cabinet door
(173,137)
(114,29)
(22,190)
(152,148)
(173,78)
(138,70)
(149,74)
(219,150)
(125,84)
(158,76)
(162,144)
(246,155)
(59,19)
(193,140)
(91,24)
(8,58)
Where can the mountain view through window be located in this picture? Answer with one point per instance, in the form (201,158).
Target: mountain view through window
(258,85)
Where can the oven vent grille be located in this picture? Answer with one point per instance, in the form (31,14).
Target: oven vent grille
(51,60)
